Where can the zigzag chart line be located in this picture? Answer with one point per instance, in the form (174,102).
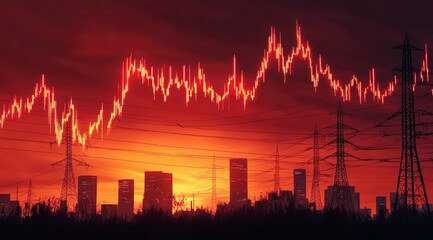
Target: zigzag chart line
(162,82)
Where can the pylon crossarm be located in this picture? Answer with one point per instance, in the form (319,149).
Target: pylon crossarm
(351,128)
(329,156)
(329,143)
(351,156)
(421,112)
(350,143)
(58,162)
(394,115)
(81,163)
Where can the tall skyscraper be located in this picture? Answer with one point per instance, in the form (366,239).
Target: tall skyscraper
(238,182)
(126,198)
(86,205)
(300,187)
(381,210)
(158,191)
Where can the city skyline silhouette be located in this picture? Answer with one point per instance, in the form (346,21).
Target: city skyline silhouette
(183,88)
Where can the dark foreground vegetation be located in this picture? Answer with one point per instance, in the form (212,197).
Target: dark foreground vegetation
(247,223)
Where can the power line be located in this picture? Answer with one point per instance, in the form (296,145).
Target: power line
(263,140)
(29,178)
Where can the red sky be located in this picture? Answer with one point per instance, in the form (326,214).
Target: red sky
(80,47)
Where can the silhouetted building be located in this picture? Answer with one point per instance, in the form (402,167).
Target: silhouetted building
(125,202)
(4,199)
(238,182)
(8,207)
(300,187)
(365,213)
(4,204)
(353,198)
(86,205)
(286,195)
(14,208)
(357,199)
(381,210)
(108,211)
(158,191)
(392,196)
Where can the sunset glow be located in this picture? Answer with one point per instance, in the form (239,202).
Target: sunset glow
(158,90)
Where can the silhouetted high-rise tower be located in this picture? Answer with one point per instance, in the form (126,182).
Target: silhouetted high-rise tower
(315,189)
(410,185)
(277,172)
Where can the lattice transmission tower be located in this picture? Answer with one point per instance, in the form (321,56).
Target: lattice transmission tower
(342,198)
(315,197)
(68,193)
(410,184)
(28,203)
(277,187)
(214,187)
